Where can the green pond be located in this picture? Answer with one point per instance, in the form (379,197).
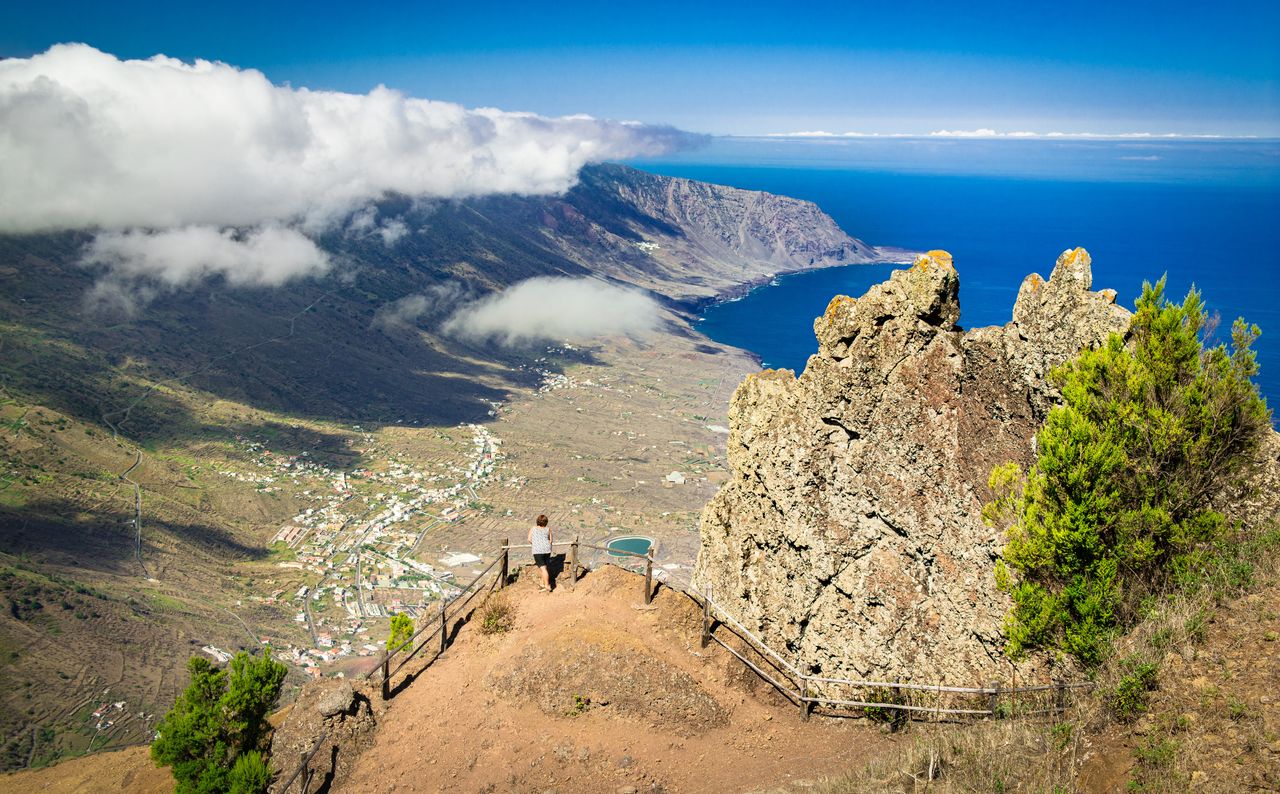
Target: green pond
(634,544)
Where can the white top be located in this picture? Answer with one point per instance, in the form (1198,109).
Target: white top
(540,537)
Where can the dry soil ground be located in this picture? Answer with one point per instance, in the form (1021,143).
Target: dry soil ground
(590,691)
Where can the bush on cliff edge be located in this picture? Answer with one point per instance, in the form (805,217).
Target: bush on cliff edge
(1121,495)
(213,736)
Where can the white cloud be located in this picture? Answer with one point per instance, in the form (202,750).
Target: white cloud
(982,133)
(266,256)
(91,141)
(365,222)
(391,231)
(431,305)
(556,308)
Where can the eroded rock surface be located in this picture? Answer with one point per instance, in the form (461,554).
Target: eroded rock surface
(337,711)
(850,535)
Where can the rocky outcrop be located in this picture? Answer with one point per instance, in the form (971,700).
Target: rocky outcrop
(337,711)
(850,535)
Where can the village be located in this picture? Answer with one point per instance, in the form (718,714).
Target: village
(358,535)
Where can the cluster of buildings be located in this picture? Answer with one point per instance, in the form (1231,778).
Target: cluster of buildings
(358,536)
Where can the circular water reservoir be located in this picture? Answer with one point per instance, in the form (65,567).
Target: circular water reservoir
(636,544)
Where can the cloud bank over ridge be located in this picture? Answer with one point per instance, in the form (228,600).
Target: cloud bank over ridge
(188,151)
(267,256)
(555,308)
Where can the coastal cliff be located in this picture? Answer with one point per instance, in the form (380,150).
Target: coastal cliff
(725,227)
(850,534)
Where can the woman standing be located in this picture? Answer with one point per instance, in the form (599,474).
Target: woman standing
(540,539)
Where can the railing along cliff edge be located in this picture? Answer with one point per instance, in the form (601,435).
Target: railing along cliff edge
(807,691)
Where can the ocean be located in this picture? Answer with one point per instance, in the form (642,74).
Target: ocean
(1201,212)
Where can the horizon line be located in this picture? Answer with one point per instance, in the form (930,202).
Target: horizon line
(984,133)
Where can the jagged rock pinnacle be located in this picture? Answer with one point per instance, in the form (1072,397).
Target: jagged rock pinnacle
(850,533)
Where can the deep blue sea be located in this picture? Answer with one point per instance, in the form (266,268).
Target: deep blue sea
(1203,212)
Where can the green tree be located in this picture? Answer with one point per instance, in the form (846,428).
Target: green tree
(1148,434)
(212,736)
(250,775)
(401,630)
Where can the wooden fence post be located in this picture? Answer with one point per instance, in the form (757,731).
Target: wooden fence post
(306,771)
(1060,696)
(386,676)
(444,628)
(573,563)
(706,620)
(806,707)
(648,577)
(994,699)
(504,569)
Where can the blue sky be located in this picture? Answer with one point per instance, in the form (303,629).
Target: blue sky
(741,68)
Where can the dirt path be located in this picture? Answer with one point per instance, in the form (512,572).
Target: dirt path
(592,692)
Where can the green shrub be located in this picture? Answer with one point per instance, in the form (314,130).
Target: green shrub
(250,774)
(1157,753)
(217,721)
(1062,734)
(894,718)
(401,631)
(1128,700)
(1147,435)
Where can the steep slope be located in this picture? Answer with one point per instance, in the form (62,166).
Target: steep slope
(681,239)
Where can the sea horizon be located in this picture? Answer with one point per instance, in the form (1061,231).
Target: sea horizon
(1201,214)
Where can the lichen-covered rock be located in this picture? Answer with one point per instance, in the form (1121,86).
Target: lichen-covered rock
(344,714)
(850,535)
(336,700)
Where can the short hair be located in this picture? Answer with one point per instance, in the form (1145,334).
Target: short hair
(542,521)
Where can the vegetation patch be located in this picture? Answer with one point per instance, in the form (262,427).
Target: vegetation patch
(497,614)
(1128,698)
(214,738)
(1151,430)
(401,631)
(886,714)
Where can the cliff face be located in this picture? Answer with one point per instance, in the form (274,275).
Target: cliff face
(850,534)
(728,226)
